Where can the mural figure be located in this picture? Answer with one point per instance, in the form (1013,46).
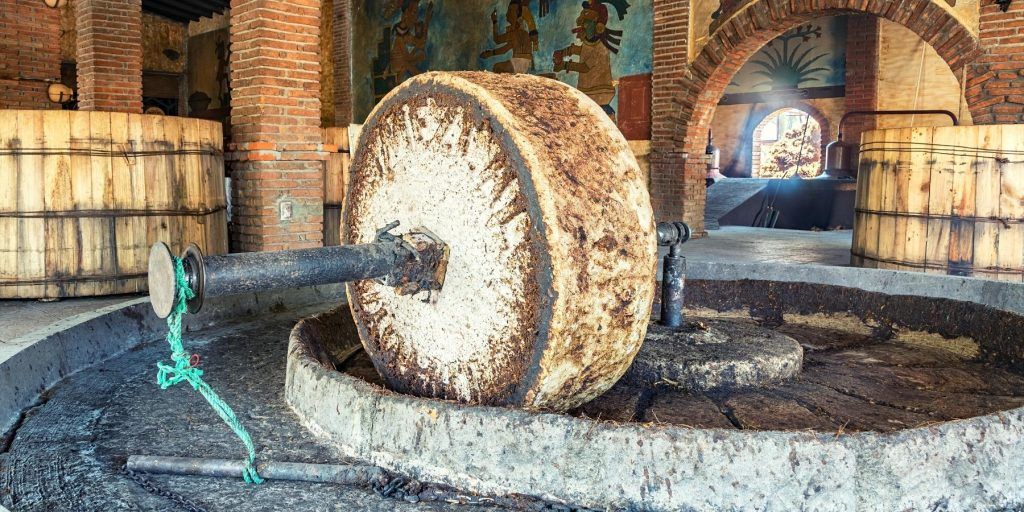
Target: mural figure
(520,38)
(402,51)
(596,44)
(410,39)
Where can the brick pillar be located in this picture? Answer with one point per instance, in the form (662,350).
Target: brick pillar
(862,46)
(342,39)
(29,55)
(277,156)
(109,55)
(671,32)
(995,84)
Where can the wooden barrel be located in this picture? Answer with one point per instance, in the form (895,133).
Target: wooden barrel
(335,180)
(946,200)
(84,194)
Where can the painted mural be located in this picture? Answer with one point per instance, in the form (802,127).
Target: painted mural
(594,45)
(810,57)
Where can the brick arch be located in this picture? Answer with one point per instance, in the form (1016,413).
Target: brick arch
(773,108)
(685,110)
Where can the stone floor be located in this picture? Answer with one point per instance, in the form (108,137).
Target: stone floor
(76,459)
(67,452)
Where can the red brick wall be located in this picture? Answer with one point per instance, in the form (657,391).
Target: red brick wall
(995,85)
(342,62)
(862,45)
(29,54)
(277,154)
(671,31)
(109,50)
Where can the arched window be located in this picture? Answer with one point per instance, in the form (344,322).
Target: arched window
(785,144)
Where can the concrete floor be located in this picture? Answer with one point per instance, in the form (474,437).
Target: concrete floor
(738,244)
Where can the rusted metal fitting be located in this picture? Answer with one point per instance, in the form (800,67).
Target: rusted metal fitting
(673,274)
(424,265)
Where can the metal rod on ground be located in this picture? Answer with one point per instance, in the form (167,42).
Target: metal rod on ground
(294,471)
(673,278)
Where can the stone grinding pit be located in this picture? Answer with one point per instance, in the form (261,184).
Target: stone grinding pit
(894,393)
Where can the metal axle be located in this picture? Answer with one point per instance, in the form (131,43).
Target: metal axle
(673,275)
(412,263)
(294,471)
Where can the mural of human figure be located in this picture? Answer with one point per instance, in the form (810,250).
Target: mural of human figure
(591,55)
(409,40)
(520,38)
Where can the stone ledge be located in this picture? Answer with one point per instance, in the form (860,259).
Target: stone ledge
(966,465)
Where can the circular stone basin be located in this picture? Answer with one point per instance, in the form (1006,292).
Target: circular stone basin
(708,354)
(904,402)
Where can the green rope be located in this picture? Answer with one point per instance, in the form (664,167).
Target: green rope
(183,370)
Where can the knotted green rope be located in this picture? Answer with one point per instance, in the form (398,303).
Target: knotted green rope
(183,370)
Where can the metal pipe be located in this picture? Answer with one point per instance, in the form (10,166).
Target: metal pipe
(294,471)
(855,113)
(413,262)
(673,274)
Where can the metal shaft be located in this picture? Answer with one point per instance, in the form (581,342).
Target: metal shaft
(256,271)
(412,263)
(295,471)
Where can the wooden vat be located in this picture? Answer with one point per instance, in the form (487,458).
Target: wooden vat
(335,181)
(84,194)
(946,200)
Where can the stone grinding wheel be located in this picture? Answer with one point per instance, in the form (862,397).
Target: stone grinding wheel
(551,275)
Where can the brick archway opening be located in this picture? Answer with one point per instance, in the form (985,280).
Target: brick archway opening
(681,128)
(774,112)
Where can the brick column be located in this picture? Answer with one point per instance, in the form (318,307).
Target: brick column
(342,39)
(277,155)
(109,55)
(995,84)
(862,46)
(669,196)
(29,55)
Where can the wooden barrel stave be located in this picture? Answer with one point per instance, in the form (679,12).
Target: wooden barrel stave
(335,182)
(946,200)
(80,206)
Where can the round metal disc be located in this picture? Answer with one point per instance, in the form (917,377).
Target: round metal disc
(550,276)
(161,279)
